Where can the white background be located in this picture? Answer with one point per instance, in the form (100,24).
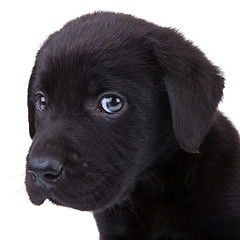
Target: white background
(214,26)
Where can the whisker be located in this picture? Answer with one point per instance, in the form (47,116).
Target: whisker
(22,176)
(20,191)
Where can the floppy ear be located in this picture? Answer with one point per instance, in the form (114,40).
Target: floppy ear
(194,87)
(31,105)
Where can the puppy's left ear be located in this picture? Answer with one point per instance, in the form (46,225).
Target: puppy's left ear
(31,105)
(194,87)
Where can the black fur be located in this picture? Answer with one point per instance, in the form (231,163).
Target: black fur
(166,166)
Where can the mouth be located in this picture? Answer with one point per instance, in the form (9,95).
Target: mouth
(93,201)
(37,198)
(94,196)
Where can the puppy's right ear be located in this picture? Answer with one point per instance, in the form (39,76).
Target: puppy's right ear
(31,104)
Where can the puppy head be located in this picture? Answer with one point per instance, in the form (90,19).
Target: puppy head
(109,95)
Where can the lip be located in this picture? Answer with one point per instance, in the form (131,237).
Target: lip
(90,202)
(37,200)
(92,199)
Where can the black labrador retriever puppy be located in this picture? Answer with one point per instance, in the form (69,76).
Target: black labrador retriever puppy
(124,121)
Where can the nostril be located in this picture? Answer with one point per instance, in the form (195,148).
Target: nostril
(44,171)
(52,177)
(33,176)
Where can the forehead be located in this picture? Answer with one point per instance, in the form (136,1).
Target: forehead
(91,73)
(89,57)
(84,76)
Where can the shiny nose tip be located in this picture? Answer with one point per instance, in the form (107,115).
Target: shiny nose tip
(44,172)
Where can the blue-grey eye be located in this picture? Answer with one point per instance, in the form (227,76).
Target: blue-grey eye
(111,104)
(40,102)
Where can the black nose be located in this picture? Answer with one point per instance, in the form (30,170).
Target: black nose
(45,171)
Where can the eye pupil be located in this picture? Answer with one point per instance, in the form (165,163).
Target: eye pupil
(40,102)
(111,104)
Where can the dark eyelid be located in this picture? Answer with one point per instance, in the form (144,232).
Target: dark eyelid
(111,94)
(39,93)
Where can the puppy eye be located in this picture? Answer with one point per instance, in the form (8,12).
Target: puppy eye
(40,102)
(111,104)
